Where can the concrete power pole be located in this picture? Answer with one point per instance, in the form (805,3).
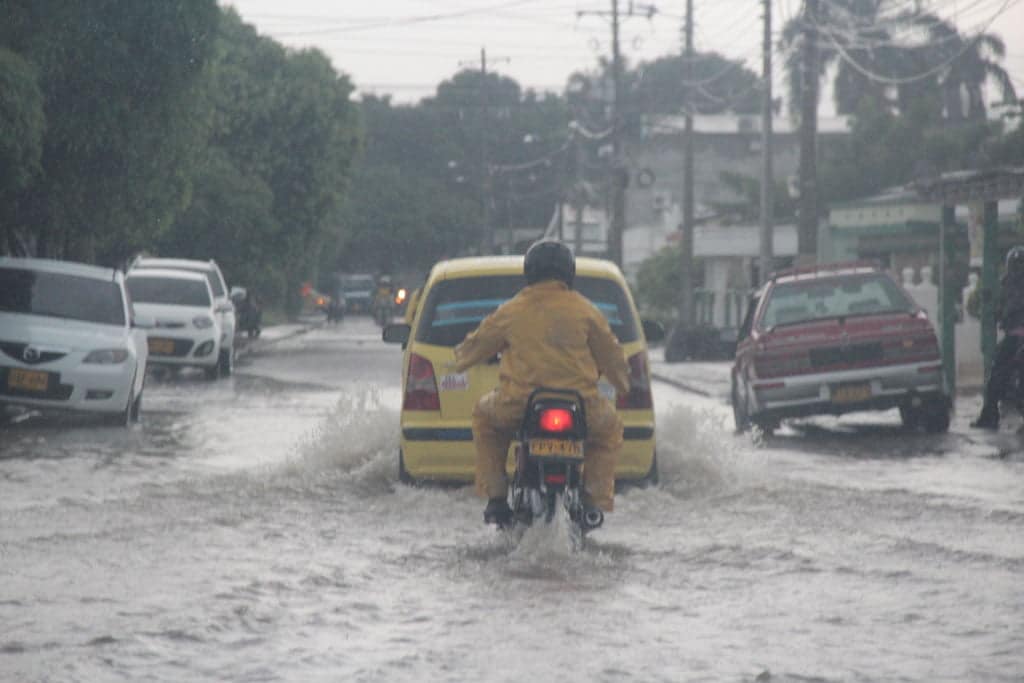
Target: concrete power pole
(767,180)
(807,233)
(487,246)
(618,176)
(618,223)
(686,294)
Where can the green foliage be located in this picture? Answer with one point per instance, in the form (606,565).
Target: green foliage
(658,282)
(270,187)
(118,80)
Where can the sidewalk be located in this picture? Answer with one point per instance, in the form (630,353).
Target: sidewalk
(709,378)
(712,378)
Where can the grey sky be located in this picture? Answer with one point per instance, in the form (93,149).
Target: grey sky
(406,47)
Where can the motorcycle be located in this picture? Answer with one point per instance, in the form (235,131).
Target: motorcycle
(549,464)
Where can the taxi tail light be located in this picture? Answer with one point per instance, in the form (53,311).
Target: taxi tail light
(639,395)
(556,420)
(421,386)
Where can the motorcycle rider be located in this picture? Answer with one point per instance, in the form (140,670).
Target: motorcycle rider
(383,298)
(1011,317)
(548,335)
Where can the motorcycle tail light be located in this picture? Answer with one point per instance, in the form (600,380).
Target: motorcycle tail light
(639,395)
(556,420)
(554,478)
(421,386)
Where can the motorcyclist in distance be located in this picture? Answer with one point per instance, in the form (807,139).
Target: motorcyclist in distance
(1011,317)
(548,336)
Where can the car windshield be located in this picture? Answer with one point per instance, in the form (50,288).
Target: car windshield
(58,295)
(795,302)
(455,307)
(357,283)
(167,290)
(211,275)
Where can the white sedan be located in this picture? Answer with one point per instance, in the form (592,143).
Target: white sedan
(68,339)
(187,331)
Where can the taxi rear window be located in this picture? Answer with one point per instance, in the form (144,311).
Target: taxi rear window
(455,307)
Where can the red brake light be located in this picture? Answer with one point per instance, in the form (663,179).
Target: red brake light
(639,395)
(556,420)
(554,478)
(421,386)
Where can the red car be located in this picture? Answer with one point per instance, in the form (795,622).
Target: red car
(835,339)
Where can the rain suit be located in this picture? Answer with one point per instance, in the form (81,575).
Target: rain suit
(1011,317)
(549,336)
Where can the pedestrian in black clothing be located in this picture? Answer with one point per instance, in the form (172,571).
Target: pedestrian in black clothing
(1011,318)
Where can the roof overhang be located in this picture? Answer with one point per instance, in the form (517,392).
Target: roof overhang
(962,187)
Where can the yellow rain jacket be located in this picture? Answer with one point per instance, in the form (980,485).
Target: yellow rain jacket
(548,336)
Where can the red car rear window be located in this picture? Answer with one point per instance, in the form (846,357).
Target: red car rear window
(821,298)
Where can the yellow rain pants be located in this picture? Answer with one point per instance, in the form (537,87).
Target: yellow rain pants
(548,336)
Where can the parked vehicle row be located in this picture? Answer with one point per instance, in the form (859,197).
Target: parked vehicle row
(80,337)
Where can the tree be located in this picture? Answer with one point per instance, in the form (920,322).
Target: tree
(282,138)
(22,124)
(122,122)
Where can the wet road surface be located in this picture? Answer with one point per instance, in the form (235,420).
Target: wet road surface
(253,529)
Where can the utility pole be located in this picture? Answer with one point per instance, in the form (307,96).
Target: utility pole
(686,294)
(767,179)
(486,180)
(807,231)
(618,174)
(487,247)
(618,224)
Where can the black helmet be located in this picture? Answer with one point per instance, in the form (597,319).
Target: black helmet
(549,260)
(1015,261)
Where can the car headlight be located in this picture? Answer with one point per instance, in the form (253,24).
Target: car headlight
(107,356)
(201,322)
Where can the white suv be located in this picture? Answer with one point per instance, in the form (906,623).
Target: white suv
(186,331)
(69,339)
(223,308)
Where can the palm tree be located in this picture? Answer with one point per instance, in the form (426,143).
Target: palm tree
(847,30)
(974,62)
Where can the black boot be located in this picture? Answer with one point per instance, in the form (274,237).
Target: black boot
(498,512)
(989,418)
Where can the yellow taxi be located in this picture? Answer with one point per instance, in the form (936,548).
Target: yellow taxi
(437,405)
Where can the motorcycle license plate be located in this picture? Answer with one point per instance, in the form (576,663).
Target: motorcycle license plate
(851,393)
(164,347)
(27,380)
(562,448)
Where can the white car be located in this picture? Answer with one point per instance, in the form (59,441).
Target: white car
(223,307)
(69,339)
(186,331)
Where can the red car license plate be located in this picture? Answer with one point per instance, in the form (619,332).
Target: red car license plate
(851,393)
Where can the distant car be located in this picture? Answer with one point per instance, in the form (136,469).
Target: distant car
(832,340)
(436,441)
(358,290)
(224,309)
(187,331)
(69,340)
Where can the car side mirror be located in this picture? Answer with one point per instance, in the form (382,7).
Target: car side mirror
(653,331)
(396,333)
(143,322)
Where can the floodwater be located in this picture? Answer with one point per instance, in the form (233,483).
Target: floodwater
(254,530)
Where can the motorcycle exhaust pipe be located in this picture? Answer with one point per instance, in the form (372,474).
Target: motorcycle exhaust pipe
(593,518)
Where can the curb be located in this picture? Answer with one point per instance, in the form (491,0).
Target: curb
(682,385)
(253,345)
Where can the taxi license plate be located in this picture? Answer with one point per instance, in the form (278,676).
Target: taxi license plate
(162,346)
(562,448)
(851,393)
(28,380)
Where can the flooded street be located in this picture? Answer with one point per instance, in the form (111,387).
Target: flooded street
(253,529)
